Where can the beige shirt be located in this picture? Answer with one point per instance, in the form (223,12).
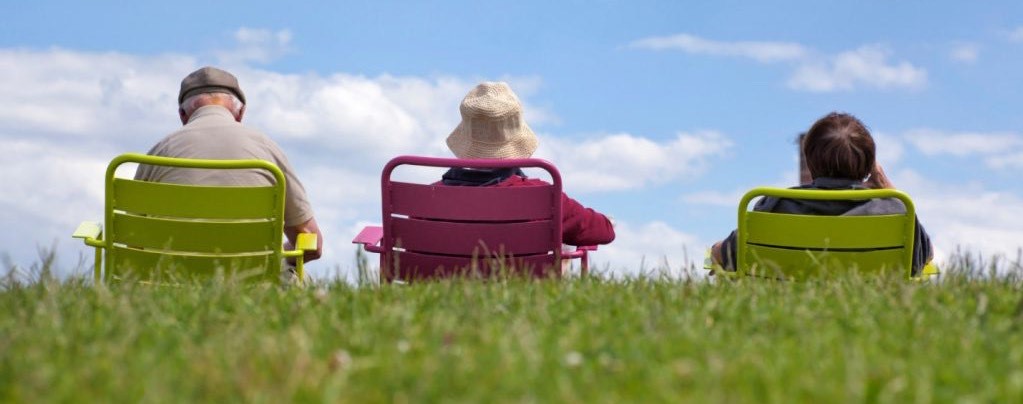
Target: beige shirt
(212,133)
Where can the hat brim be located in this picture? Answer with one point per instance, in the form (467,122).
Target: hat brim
(211,89)
(463,146)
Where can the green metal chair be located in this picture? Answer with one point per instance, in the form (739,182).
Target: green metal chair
(789,246)
(162,232)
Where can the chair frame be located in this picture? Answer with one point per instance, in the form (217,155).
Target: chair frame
(378,239)
(743,262)
(92,235)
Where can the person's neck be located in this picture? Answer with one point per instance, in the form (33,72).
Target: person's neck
(206,109)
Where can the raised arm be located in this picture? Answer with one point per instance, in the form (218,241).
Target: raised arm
(878,179)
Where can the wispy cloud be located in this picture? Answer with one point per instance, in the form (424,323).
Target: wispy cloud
(1016,35)
(1001,150)
(965,53)
(714,198)
(1006,161)
(65,114)
(867,66)
(889,148)
(256,46)
(759,51)
(651,248)
(970,216)
(623,161)
(934,142)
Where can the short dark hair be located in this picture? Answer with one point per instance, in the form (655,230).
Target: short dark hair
(839,146)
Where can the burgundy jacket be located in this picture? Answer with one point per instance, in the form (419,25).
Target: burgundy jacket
(580,226)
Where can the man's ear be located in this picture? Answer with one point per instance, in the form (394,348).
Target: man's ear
(183,116)
(241,112)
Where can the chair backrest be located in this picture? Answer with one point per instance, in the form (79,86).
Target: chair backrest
(433,230)
(173,231)
(789,246)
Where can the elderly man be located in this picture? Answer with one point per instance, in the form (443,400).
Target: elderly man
(211,108)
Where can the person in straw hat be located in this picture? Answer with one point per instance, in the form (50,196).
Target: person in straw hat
(492,127)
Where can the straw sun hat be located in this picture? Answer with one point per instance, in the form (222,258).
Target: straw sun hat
(492,126)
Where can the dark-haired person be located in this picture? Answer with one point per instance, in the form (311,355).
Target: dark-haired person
(840,154)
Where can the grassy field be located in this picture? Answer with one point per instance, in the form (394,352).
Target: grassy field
(872,339)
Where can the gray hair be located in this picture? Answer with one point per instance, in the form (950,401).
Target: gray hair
(194,102)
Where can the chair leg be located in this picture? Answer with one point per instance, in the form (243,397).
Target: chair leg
(97,270)
(585,264)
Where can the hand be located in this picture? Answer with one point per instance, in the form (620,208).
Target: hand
(715,253)
(309,226)
(878,179)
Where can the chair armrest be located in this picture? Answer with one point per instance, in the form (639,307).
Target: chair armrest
(306,242)
(370,238)
(89,232)
(716,268)
(579,251)
(930,271)
(708,261)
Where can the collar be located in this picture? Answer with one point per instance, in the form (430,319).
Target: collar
(478,177)
(836,183)
(211,111)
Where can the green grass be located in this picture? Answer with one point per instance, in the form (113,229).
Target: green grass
(854,339)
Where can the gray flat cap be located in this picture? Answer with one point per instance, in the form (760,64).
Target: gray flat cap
(210,80)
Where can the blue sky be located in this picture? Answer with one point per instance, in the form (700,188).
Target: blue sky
(658,113)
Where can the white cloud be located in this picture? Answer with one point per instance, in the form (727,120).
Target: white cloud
(1016,35)
(67,94)
(866,66)
(256,46)
(759,51)
(48,189)
(379,116)
(650,248)
(715,198)
(970,216)
(889,149)
(933,142)
(65,114)
(731,199)
(1013,160)
(623,161)
(68,113)
(999,150)
(965,53)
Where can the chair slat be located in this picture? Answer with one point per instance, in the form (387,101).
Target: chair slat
(804,264)
(820,232)
(192,201)
(412,266)
(437,237)
(473,203)
(194,236)
(133,264)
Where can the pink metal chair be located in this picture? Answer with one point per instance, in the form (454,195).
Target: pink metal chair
(436,231)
